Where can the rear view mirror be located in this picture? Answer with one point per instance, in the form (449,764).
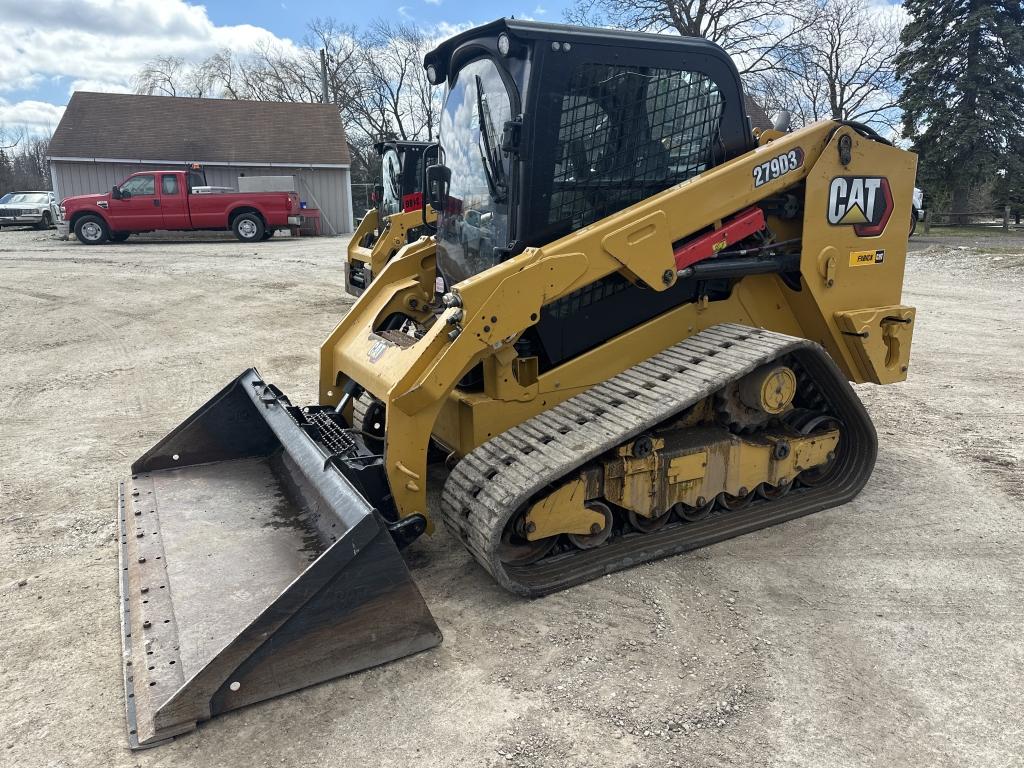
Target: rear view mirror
(115,192)
(439,178)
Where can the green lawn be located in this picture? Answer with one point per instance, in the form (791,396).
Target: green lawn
(992,230)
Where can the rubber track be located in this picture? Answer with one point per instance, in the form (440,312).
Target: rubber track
(498,478)
(360,406)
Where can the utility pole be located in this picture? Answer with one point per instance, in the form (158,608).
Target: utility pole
(323,76)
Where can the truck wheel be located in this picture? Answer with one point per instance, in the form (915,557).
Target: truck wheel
(119,237)
(44,221)
(248,227)
(91,230)
(268,234)
(913,222)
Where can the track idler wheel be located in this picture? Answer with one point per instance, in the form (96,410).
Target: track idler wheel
(596,537)
(518,550)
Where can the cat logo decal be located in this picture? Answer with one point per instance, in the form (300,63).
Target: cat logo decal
(377,351)
(863,202)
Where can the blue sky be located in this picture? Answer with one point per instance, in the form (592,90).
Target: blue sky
(49,48)
(289,21)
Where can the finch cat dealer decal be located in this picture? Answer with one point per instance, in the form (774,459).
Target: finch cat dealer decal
(863,202)
(866,258)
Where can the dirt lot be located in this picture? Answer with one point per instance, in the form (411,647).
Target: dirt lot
(887,632)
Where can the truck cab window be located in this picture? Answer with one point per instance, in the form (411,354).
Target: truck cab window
(140,186)
(169,184)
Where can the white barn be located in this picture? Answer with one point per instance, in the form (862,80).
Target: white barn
(104,137)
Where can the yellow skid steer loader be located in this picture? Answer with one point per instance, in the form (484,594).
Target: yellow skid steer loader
(632,329)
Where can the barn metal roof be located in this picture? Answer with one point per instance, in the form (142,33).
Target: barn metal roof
(130,127)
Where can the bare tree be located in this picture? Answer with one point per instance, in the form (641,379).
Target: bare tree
(172,76)
(9,139)
(396,98)
(343,50)
(162,76)
(760,35)
(817,58)
(843,65)
(375,79)
(23,161)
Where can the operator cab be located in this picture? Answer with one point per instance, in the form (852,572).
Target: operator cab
(589,121)
(402,165)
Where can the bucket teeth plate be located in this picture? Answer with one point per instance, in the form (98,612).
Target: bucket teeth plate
(251,567)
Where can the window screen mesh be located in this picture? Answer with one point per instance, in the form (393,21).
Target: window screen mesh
(626,133)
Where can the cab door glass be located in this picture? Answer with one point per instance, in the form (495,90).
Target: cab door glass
(391,170)
(476,217)
(169,186)
(140,186)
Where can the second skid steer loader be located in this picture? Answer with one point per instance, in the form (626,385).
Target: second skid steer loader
(647,325)
(400,214)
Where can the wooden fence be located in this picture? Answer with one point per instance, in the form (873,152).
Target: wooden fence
(949,219)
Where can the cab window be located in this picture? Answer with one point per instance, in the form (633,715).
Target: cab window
(140,186)
(625,133)
(169,184)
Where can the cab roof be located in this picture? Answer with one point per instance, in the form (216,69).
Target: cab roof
(400,144)
(540,30)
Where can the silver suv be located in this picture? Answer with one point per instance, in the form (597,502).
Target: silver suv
(24,208)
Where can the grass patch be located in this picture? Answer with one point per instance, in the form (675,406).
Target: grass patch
(994,232)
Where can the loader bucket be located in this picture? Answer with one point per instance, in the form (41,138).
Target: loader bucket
(251,567)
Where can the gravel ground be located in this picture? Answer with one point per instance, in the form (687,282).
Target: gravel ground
(885,632)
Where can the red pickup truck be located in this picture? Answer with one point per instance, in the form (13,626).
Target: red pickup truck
(151,200)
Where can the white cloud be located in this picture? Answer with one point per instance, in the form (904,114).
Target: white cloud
(36,117)
(114,41)
(403,11)
(433,2)
(101,44)
(445,29)
(540,11)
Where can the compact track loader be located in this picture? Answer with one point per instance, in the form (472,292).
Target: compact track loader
(400,215)
(652,353)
